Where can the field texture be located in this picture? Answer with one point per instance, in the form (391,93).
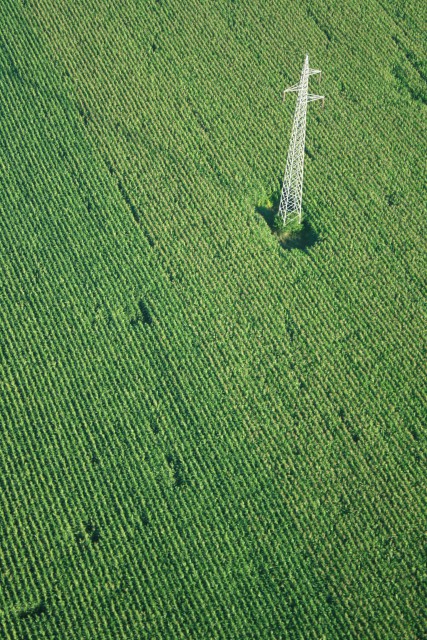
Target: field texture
(203,434)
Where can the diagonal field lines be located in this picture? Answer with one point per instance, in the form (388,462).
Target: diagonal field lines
(204,435)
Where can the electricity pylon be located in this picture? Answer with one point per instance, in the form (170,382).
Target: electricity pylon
(291,198)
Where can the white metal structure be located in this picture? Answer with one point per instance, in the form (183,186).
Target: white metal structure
(291,198)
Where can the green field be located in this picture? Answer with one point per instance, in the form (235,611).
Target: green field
(205,434)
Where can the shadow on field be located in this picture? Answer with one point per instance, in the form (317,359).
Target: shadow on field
(33,612)
(268,214)
(302,237)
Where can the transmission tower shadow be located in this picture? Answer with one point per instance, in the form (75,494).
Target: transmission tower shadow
(269,208)
(303,238)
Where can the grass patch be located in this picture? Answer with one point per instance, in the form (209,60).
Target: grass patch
(293,235)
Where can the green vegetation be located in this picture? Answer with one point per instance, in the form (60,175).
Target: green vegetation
(294,234)
(206,433)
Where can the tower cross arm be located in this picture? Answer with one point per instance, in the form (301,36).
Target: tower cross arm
(311,97)
(312,72)
(295,87)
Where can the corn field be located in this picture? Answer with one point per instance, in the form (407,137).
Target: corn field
(205,433)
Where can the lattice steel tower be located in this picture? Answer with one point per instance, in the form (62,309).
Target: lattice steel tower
(291,198)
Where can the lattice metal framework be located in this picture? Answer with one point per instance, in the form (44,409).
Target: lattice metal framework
(291,198)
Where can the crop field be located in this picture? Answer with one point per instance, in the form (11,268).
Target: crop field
(207,433)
